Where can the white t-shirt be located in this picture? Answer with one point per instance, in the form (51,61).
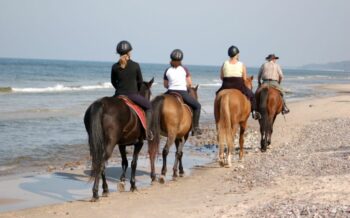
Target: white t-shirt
(177,78)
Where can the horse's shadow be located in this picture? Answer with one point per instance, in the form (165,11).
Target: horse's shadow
(65,186)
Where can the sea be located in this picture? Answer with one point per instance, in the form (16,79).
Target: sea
(42,104)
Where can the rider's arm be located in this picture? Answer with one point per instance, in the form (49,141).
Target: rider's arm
(166,84)
(260,74)
(188,78)
(244,72)
(139,78)
(222,72)
(280,73)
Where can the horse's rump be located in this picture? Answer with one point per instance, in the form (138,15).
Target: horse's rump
(237,102)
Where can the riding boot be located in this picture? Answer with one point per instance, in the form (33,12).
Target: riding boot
(149,134)
(255,114)
(285,109)
(196,130)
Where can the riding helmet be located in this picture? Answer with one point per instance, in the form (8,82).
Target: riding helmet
(233,51)
(123,47)
(176,55)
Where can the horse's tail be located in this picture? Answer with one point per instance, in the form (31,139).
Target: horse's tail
(225,126)
(157,105)
(93,125)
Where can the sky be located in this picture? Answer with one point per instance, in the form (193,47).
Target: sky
(299,31)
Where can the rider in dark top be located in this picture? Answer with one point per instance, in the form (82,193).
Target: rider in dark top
(126,78)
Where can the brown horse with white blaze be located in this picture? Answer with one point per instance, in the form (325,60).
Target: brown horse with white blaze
(231,110)
(269,101)
(172,118)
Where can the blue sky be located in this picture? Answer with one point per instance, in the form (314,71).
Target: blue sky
(299,31)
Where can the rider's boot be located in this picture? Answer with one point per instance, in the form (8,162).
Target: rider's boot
(285,109)
(196,130)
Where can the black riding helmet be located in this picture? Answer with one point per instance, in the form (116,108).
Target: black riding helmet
(123,47)
(177,55)
(233,51)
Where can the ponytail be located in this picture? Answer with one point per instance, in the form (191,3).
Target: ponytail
(123,61)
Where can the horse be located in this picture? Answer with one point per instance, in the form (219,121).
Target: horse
(172,118)
(231,109)
(269,101)
(109,121)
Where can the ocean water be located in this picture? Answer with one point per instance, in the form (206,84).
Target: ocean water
(42,104)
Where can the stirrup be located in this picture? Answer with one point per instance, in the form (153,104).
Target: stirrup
(256,115)
(149,135)
(285,111)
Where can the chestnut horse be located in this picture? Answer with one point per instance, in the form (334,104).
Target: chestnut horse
(172,118)
(269,101)
(110,122)
(231,109)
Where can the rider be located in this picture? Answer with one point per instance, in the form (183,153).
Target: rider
(271,74)
(233,74)
(177,78)
(126,78)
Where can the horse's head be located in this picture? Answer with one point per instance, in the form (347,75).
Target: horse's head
(193,91)
(249,82)
(145,89)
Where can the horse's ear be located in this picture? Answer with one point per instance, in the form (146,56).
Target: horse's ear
(251,78)
(196,88)
(150,82)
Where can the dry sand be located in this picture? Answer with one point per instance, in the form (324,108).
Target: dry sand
(306,173)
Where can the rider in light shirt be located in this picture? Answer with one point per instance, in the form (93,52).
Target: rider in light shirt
(177,79)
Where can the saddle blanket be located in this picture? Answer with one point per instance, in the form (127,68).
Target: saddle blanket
(137,109)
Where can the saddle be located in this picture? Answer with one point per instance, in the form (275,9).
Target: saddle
(267,86)
(137,109)
(181,101)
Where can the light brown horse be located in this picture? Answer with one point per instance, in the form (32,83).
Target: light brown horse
(231,109)
(269,101)
(172,118)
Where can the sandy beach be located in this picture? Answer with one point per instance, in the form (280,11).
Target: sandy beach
(305,173)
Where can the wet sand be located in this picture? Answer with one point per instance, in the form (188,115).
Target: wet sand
(306,173)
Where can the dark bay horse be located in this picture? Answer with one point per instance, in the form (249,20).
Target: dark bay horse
(269,101)
(172,118)
(231,110)
(110,122)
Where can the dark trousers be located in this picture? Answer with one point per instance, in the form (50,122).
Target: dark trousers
(139,100)
(238,83)
(193,103)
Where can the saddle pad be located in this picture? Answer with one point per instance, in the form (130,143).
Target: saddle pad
(137,109)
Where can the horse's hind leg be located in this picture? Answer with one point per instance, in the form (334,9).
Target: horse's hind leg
(95,196)
(243,126)
(230,147)
(221,141)
(104,182)
(165,153)
(178,156)
(121,184)
(137,149)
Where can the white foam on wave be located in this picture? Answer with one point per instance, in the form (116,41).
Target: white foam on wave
(62,88)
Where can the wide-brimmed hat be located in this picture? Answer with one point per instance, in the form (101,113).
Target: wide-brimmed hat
(271,57)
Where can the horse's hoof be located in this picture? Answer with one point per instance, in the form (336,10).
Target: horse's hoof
(182,174)
(228,165)
(133,189)
(121,186)
(263,150)
(94,199)
(175,176)
(105,194)
(161,180)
